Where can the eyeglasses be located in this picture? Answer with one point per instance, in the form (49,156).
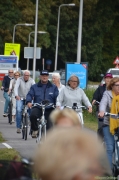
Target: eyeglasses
(10,72)
(116,85)
(73,81)
(16,75)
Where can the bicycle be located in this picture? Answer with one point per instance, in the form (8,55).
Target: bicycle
(24,121)
(16,169)
(42,121)
(116,144)
(77,108)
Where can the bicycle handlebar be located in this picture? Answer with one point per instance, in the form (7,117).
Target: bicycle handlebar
(43,105)
(76,107)
(114,116)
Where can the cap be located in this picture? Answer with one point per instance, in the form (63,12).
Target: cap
(44,72)
(108,75)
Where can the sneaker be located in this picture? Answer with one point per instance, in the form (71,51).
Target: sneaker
(5,115)
(34,134)
(18,130)
(13,120)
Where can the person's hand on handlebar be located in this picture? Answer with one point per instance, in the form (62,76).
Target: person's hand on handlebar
(2,88)
(90,109)
(29,105)
(17,97)
(93,102)
(101,114)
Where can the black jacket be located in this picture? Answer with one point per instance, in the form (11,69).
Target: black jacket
(99,93)
(6,83)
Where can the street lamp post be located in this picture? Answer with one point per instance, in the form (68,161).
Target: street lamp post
(38,32)
(25,24)
(56,52)
(35,39)
(80,32)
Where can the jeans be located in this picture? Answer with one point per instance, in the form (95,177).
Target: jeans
(7,100)
(109,142)
(19,107)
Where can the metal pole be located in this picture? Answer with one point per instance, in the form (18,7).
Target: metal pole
(56,53)
(28,46)
(80,32)
(13,37)
(43,63)
(57,39)
(35,40)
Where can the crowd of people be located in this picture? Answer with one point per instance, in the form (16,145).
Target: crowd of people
(76,153)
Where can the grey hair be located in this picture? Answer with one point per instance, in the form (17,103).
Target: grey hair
(26,71)
(70,80)
(56,75)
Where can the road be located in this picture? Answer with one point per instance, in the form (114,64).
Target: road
(14,140)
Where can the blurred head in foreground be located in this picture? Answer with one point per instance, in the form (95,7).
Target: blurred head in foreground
(65,118)
(71,154)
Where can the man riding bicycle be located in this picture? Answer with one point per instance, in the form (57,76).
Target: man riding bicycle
(21,89)
(5,87)
(43,90)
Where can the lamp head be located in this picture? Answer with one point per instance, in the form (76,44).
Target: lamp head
(71,4)
(27,24)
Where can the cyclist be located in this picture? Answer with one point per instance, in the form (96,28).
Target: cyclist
(110,103)
(56,81)
(11,90)
(97,96)
(5,87)
(22,86)
(43,90)
(73,94)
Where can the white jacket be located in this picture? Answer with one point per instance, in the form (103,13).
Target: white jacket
(22,88)
(68,96)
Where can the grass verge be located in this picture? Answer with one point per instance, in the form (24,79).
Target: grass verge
(9,154)
(1,138)
(90,120)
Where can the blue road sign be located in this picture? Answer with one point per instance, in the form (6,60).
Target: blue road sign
(79,70)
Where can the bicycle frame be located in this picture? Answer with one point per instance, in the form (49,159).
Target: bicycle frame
(24,121)
(42,121)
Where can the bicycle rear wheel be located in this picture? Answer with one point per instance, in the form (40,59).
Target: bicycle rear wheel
(23,129)
(25,126)
(10,112)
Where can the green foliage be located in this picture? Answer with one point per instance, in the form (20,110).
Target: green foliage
(99,32)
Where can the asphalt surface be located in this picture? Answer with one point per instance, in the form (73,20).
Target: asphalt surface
(14,140)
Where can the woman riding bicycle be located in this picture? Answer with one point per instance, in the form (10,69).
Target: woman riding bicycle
(73,94)
(110,103)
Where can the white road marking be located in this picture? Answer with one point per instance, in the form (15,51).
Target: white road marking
(7,145)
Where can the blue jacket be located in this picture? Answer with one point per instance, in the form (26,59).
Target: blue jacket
(37,93)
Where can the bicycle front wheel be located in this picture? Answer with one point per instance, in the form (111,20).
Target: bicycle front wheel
(23,129)
(25,126)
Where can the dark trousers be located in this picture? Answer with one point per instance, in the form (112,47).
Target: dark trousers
(37,113)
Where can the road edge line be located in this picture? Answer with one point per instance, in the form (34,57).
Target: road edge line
(7,145)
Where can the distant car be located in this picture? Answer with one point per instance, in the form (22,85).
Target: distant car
(50,75)
(62,79)
(62,75)
(113,71)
